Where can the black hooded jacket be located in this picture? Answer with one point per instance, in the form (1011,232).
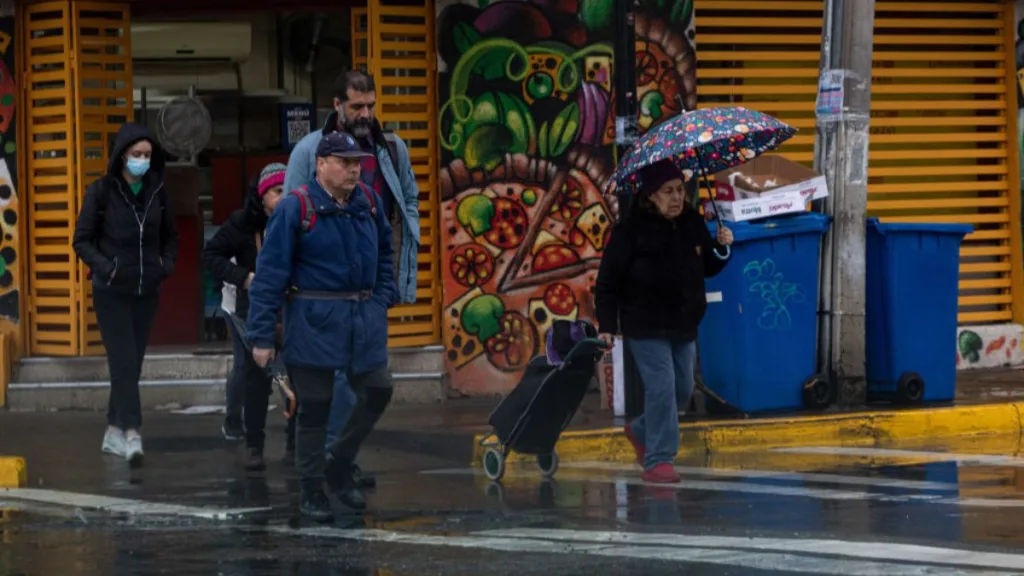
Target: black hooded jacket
(651,280)
(129,242)
(237,239)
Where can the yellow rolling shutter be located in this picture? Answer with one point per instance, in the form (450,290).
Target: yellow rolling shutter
(103,102)
(403,62)
(943,137)
(77,91)
(49,182)
(762,55)
(360,39)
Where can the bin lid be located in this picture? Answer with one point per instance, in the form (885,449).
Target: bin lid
(772,227)
(932,227)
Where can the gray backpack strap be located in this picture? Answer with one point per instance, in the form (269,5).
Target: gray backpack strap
(308,210)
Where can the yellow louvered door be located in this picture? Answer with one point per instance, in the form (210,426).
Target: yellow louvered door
(943,138)
(103,101)
(403,62)
(360,39)
(76,92)
(50,179)
(764,56)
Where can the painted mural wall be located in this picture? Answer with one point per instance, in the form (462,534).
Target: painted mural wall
(527,131)
(10,277)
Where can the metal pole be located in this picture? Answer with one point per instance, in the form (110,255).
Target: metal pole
(626,133)
(626,108)
(843,157)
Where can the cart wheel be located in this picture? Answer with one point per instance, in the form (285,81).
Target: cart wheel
(910,388)
(548,464)
(494,464)
(818,392)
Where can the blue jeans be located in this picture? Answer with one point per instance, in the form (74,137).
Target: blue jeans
(343,401)
(666,368)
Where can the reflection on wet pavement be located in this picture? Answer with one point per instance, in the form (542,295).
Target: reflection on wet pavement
(908,509)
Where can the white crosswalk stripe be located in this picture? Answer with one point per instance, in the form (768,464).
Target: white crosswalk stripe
(600,472)
(122,505)
(758,553)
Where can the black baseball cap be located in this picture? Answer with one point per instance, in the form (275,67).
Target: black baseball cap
(340,144)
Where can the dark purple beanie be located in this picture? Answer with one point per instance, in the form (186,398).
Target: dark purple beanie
(654,176)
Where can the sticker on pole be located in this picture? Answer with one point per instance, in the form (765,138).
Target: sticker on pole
(829,105)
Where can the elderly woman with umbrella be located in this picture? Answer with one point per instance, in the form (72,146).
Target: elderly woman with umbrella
(650,287)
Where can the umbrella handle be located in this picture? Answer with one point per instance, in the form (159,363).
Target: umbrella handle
(718,218)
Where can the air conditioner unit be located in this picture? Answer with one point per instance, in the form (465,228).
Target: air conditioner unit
(191,41)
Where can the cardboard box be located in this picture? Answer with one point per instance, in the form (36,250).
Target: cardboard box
(769,175)
(767,186)
(762,206)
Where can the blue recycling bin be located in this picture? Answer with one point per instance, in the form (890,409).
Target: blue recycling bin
(913,273)
(758,340)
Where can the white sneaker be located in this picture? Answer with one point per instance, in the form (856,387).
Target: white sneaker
(133,449)
(114,442)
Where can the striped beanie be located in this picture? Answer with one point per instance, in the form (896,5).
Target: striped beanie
(272,175)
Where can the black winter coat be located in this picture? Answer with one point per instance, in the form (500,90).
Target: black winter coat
(237,239)
(129,242)
(651,280)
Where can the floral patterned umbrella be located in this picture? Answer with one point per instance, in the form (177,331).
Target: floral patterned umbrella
(703,142)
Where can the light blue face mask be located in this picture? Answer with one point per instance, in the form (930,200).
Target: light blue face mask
(137,167)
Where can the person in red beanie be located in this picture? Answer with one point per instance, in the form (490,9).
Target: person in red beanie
(230,256)
(650,289)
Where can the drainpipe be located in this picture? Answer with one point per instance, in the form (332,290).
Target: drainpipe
(841,154)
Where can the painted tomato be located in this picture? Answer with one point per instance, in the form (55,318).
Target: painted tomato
(560,299)
(569,203)
(514,345)
(471,265)
(553,257)
(508,224)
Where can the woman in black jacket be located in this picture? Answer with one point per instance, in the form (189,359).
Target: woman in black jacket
(230,256)
(650,289)
(127,237)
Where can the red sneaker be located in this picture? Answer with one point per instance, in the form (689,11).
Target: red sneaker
(662,473)
(638,446)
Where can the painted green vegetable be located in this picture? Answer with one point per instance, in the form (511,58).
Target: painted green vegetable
(970,346)
(596,14)
(563,129)
(499,124)
(650,105)
(481,316)
(474,213)
(486,146)
(491,63)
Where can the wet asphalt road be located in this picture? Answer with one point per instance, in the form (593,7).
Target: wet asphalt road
(925,510)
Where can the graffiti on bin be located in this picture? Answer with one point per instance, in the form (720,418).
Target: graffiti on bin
(769,284)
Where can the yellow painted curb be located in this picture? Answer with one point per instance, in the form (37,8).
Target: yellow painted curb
(13,473)
(858,429)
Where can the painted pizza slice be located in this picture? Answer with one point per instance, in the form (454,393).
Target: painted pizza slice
(567,236)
